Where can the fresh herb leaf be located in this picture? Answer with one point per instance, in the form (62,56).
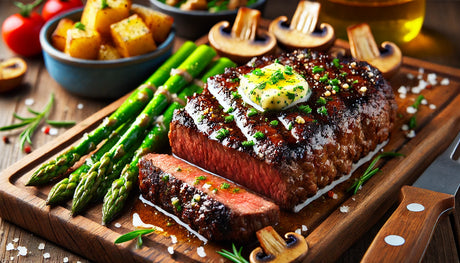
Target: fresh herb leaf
(234,256)
(418,101)
(134,234)
(104,4)
(32,123)
(80,26)
(412,122)
(370,171)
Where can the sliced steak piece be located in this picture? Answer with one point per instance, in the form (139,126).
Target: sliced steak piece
(213,206)
(350,111)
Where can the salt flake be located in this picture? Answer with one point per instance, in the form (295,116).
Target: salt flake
(53,131)
(410,134)
(200,251)
(432,106)
(173,239)
(65,260)
(411,110)
(29,102)
(22,251)
(9,247)
(41,246)
(46,255)
(344,209)
(445,81)
(117,225)
(298,231)
(171,250)
(304,228)
(405,127)
(80,106)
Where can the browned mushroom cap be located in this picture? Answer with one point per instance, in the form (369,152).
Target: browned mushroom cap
(245,40)
(303,32)
(276,249)
(12,72)
(387,59)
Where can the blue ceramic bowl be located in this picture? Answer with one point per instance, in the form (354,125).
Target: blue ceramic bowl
(99,79)
(195,24)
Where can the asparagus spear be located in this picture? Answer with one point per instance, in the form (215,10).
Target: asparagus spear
(131,107)
(64,189)
(116,196)
(193,65)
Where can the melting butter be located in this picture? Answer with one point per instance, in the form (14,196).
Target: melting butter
(274,87)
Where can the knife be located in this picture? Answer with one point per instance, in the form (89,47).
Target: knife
(406,234)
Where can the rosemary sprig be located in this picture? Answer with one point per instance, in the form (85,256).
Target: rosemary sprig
(33,122)
(370,171)
(134,234)
(234,256)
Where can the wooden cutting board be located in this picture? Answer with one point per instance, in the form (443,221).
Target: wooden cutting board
(330,231)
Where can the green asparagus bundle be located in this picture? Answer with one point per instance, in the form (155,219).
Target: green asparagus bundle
(116,196)
(192,66)
(64,189)
(130,108)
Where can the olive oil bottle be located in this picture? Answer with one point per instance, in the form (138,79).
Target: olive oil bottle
(398,21)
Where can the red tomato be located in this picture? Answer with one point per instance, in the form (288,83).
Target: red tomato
(21,34)
(54,7)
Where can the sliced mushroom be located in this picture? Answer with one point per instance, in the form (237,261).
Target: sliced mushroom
(303,31)
(387,59)
(12,72)
(276,249)
(245,40)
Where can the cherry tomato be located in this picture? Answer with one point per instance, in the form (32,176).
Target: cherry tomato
(21,31)
(53,8)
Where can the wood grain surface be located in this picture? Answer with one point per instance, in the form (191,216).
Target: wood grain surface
(439,42)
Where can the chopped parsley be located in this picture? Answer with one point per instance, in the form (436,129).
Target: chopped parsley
(80,26)
(259,135)
(236,95)
(251,112)
(324,78)
(198,179)
(104,4)
(229,118)
(236,190)
(247,143)
(165,178)
(229,110)
(317,69)
(321,101)
(336,63)
(222,133)
(305,108)
(224,186)
(258,72)
(322,110)
(274,123)
(288,70)
(276,77)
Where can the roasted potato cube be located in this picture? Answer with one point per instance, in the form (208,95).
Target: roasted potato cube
(98,15)
(160,24)
(82,43)
(60,33)
(108,52)
(132,37)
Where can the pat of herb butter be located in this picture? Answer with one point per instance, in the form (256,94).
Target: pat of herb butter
(274,87)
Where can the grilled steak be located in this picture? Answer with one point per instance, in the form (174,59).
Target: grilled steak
(213,206)
(303,148)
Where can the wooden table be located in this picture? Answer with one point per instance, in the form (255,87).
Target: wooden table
(439,42)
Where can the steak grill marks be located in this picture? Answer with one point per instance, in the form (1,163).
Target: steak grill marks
(350,111)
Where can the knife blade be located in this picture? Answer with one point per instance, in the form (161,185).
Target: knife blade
(406,234)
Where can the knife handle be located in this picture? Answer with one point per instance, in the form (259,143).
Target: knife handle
(406,234)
